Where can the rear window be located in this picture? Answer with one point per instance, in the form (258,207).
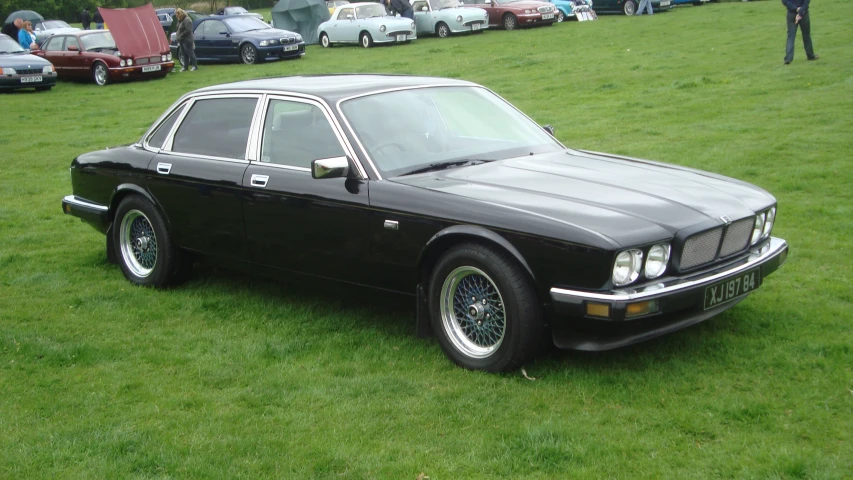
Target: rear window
(217,127)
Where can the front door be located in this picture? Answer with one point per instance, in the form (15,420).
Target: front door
(424,22)
(294,222)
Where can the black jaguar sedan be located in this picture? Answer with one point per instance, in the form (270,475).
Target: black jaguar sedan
(435,188)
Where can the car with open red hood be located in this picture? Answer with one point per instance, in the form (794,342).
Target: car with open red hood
(134,48)
(512,14)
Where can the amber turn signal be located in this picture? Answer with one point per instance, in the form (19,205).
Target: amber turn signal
(641,308)
(598,310)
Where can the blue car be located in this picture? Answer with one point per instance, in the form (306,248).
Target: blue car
(244,38)
(566,8)
(366,24)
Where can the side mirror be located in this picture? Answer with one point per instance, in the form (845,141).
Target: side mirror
(349,17)
(337,167)
(548,128)
(73,48)
(488,2)
(425,9)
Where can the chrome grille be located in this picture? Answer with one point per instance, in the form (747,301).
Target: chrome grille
(544,9)
(142,61)
(700,249)
(154,59)
(285,41)
(401,32)
(737,236)
(27,71)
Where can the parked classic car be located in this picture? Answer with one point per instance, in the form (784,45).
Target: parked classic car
(19,69)
(366,24)
(49,28)
(165,21)
(512,14)
(435,188)
(629,7)
(241,38)
(443,17)
(239,11)
(108,55)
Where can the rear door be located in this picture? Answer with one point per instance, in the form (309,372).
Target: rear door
(197,173)
(53,49)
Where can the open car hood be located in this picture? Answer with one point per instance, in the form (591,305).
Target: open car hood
(136,31)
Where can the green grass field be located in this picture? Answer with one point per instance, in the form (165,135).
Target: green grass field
(230,376)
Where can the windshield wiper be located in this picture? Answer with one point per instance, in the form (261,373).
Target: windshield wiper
(443,165)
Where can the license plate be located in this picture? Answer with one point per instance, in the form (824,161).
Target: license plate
(151,68)
(664,4)
(290,48)
(732,288)
(475,26)
(401,38)
(30,79)
(547,16)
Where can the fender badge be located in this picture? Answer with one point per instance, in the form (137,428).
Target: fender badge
(726,219)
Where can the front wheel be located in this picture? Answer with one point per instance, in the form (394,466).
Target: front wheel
(145,251)
(442,30)
(510,22)
(561,17)
(249,54)
(366,40)
(630,8)
(483,309)
(324,40)
(100,74)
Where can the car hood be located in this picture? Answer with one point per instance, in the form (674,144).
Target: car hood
(621,200)
(18,61)
(527,5)
(136,31)
(266,34)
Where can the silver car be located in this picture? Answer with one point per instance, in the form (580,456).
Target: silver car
(365,24)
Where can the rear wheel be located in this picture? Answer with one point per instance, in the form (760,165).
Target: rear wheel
(249,54)
(442,30)
(483,309)
(630,7)
(510,22)
(100,74)
(324,40)
(366,40)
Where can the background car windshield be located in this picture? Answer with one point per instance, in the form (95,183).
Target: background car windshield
(245,24)
(408,129)
(235,10)
(367,11)
(54,24)
(7,45)
(439,4)
(98,40)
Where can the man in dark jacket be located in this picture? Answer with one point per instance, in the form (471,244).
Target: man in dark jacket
(403,7)
(798,15)
(85,18)
(99,20)
(12,29)
(186,40)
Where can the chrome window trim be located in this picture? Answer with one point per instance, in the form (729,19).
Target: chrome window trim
(203,157)
(152,131)
(283,167)
(253,147)
(418,87)
(756,258)
(336,128)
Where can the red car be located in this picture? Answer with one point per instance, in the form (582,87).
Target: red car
(135,48)
(512,14)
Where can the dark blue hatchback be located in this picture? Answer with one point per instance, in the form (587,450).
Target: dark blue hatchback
(226,38)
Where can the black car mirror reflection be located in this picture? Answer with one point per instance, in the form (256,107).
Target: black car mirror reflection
(336,167)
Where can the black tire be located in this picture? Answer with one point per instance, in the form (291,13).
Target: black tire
(249,54)
(143,248)
(365,40)
(510,22)
(100,74)
(324,40)
(561,17)
(630,8)
(442,30)
(504,291)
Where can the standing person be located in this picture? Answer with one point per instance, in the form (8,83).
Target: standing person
(186,40)
(13,28)
(647,4)
(85,18)
(403,7)
(798,15)
(26,37)
(99,20)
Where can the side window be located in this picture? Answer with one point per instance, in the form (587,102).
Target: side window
(419,5)
(53,44)
(216,127)
(342,15)
(159,136)
(213,27)
(72,41)
(296,133)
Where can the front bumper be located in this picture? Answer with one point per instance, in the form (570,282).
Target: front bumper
(529,20)
(135,72)
(271,52)
(12,82)
(679,303)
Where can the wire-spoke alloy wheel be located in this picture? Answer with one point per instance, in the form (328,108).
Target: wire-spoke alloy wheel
(483,310)
(472,312)
(138,243)
(510,22)
(442,30)
(248,53)
(100,74)
(324,40)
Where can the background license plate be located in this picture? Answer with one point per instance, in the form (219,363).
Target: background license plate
(732,288)
(290,48)
(664,4)
(401,38)
(30,79)
(151,68)
(475,26)
(547,16)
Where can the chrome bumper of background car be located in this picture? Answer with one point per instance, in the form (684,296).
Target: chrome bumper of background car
(678,303)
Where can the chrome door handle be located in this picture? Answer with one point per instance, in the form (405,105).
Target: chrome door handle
(259,180)
(164,168)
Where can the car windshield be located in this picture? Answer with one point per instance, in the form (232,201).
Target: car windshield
(97,41)
(439,4)
(368,11)
(414,130)
(245,24)
(7,45)
(54,24)
(235,10)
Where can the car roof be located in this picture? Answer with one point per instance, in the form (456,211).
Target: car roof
(332,88)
